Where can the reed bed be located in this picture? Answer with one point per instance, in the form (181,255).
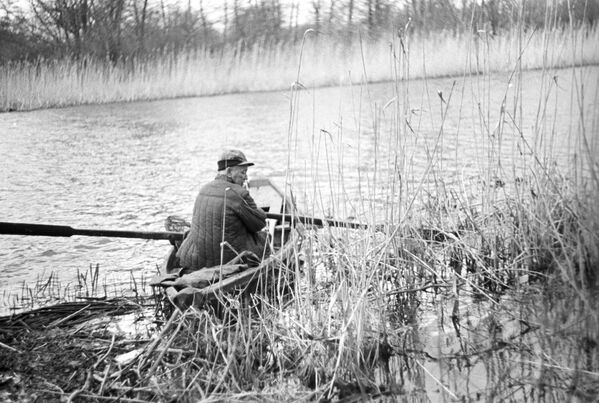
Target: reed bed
(267,66)
(501,306)
(487,304)
(90,284)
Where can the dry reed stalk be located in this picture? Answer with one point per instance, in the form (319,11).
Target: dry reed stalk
(163,350)
(489,255)
(174,317)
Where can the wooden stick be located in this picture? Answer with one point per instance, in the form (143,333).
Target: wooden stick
(12,228)
(426,233)
(62,320)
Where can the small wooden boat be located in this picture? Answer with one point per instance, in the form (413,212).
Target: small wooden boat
(212,286)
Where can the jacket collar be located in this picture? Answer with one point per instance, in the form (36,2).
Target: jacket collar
(223,178)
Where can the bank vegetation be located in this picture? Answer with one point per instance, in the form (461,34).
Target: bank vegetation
(57,53)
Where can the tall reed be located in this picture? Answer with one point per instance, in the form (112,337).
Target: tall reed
(464,286)
(474,286)
(266,67)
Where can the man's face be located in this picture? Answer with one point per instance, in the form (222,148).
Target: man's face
(239,175)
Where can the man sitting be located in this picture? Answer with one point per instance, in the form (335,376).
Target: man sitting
(226,220)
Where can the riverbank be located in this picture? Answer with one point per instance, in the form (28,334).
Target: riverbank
(415,319)
(325,61)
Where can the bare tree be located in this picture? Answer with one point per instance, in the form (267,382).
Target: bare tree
(140,14)
(110,20)
(203,18)
(350,11)
(316,9)
(64,20)
(115,28)
(225,21)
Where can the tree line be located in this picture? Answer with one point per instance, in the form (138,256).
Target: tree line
(117,29)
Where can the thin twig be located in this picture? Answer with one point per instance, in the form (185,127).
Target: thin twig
(9,348)
(436,380)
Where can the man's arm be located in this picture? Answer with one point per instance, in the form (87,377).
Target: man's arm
(252,216)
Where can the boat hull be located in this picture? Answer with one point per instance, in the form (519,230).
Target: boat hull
(272,278)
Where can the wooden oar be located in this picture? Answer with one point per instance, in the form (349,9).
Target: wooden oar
(12,228)
(320,222)
(425,233)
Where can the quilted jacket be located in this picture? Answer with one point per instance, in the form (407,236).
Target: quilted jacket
(223,211)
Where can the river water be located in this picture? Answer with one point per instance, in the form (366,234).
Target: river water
(129,166)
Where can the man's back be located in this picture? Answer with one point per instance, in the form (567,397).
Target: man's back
(223,211)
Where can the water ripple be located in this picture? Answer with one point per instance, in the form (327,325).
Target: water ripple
(129,166)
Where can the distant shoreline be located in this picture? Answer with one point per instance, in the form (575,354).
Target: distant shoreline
(29,86)
(116,102)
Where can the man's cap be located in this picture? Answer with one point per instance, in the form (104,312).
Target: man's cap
(232,158)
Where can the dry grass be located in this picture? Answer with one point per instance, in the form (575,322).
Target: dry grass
(91,284)
(326,61)
(502,306)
